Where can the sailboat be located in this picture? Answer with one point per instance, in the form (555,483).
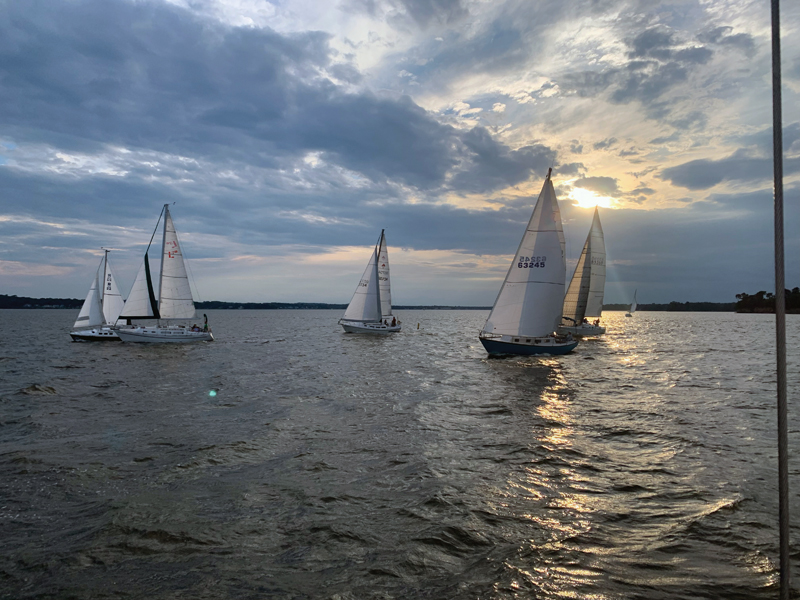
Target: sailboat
(174,301)
(527,310)
(633,306)
(584,297)
(101,308)
(370,310)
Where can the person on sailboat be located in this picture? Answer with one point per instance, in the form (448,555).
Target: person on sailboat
(394,322)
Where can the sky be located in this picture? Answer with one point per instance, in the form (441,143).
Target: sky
(289,133)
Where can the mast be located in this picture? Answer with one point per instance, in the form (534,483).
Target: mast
(163,246)
(780,309)
(105,274)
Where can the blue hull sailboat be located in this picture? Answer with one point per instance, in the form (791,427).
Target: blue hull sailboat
(528,308)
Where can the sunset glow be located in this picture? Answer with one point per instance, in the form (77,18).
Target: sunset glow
(589,199)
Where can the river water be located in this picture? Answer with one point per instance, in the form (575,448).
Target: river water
(290,460)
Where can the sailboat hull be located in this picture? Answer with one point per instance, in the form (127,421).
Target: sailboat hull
(584,330)
(546,345)
(379,328)
(163,335)
(99,334)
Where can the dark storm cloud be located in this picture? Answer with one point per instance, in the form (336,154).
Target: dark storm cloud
(658,60)
(490,165)
(740,166)
(86,74)
(723,36)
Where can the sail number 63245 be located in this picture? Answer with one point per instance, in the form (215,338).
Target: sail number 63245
(531,262)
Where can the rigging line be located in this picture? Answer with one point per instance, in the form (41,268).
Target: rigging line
(780,308)
(154,230)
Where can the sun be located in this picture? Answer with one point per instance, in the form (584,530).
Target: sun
(589,199)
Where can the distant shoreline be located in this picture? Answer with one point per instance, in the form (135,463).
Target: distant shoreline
(22,302)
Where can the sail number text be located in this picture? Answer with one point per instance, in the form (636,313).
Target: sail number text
(531,262)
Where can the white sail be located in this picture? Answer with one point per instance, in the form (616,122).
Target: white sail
(586,289)
(383,278)
(141,301)
(594,304)
(633,305)
(530,300)
(91,314)
(175,293)
(112,298)
(365,307)
(575,301)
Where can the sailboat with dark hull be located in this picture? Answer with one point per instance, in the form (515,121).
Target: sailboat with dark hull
(174,301)
(101,308)
(528,308)
(584,299)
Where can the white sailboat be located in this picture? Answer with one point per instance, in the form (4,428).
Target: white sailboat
(527,310)
(584,299)
(370,310)
(174,301)
(633,306)
(101,308)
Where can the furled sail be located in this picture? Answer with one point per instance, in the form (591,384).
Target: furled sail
(175,293)
(383,278)
(531,298)
(365,307)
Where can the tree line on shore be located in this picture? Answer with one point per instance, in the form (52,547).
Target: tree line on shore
(760,302)
(764,302)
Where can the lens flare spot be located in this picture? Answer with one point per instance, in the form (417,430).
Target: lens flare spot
(212,393)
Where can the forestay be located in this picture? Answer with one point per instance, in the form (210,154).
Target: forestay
(531,298)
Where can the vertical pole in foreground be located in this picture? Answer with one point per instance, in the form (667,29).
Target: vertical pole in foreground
(780,306)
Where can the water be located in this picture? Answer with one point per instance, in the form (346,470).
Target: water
(289,460)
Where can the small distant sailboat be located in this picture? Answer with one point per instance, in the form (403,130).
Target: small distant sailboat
(370,310)
(174,296)
(101,308)
(633,306)
(528,308)
(584,297)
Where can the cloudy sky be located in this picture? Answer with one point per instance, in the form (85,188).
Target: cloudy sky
(288,133)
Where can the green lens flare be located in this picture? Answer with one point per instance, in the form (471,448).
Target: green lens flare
(212,393)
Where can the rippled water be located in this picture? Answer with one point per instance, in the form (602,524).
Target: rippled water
(290,460)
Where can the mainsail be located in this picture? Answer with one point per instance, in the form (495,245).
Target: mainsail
(174,292)
(634,305)
(383,278)
(365,307)
(530,300)
(586,289)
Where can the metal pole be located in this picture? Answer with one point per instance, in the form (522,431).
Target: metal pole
(780,307)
